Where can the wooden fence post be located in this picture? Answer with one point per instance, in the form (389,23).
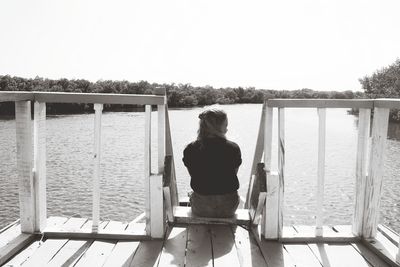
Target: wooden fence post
(147,164)
(361,170)
(321,170)
(24,166)
(39,163)
(375,172)
(96,172)
(281,167)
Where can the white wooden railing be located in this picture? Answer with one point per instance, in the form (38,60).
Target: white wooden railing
(369,172)
(32,169)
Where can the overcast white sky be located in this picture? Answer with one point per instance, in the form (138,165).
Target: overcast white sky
(317,44)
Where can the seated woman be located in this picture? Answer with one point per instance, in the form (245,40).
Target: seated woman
(213,162)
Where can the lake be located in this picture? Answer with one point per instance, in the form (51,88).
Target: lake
(69,163)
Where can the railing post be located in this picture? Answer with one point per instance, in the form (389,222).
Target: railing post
(147,163)
(39,163)
(361,170)
(281,167)
(24,165)
(375,172)
(257,154)
(321,170)
(96,172)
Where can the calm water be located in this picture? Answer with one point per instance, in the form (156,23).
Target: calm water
(69,164)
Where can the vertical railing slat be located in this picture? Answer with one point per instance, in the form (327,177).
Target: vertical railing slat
(361,169)
(147,164)
(321,169)
(96,171)
(24,165)
(39,163)
(281,167)
(161,137)
(375,172)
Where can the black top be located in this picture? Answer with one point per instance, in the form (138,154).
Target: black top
(212,165)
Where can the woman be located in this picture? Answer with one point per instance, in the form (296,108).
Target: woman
(213,162)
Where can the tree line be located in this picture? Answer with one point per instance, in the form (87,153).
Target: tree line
(179,95)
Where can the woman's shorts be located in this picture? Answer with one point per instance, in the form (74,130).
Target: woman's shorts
(216,206)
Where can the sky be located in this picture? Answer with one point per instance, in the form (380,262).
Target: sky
(316,44)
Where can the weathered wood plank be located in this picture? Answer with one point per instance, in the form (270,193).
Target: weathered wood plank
(336,255)
(281,167)
(199,246)
(361,169)
(258,193)
(70,252)
(223,246)
(161,137)
(46,252)
(14,245)
(122,254)
(24,166)
(257,155)
(302,255)
(184,215)
(9,234)
(248,251)
(11,96)
(320,103)
(371,257)
(147,166)
(23,255)
(173,253)
(308,234)
(382,247)
(271,211)
(96,254)
(96,167)
(147,254)
(39,164)
(273,252)
(157,222)
(375,172)
(387,103)
(321,169)
(128,99)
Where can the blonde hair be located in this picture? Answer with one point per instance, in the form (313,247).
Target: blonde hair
(210,124)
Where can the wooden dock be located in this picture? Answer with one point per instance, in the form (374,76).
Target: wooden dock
(188,245)
(170,235)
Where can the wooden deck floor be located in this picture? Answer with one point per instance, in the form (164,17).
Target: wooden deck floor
(185,245)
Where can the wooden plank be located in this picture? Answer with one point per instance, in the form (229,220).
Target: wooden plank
(248,251)
(147,166)
(199,246)
(321,169)
(387,103)
(96,167)
(9,234)
(14,245)
(122,254)
(223,246)
(11,96)
(168,204)
(258,186)
(46,252)
(16,222)
(169,151)
(257,154)
(157,222)
(260,206)
(336,255)
(88,234)
(147,254)
(273,251)
(361,169)
(39,165)
(55,223)
(271,212)
(96,254)
(161,137)
(383,247)
(22,255)
(320,103)
(173,253)
(389,234)
(70,252)
(24,166)
(306,233)
(128,99)
(73,224)
(371,257)
(281,167)
(375,172)
(302,255)
(184,215)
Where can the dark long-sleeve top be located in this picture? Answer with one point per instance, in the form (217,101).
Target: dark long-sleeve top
(212,164)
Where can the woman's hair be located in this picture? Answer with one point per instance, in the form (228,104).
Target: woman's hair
(210,124)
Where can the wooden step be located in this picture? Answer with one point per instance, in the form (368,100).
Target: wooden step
(184,215)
